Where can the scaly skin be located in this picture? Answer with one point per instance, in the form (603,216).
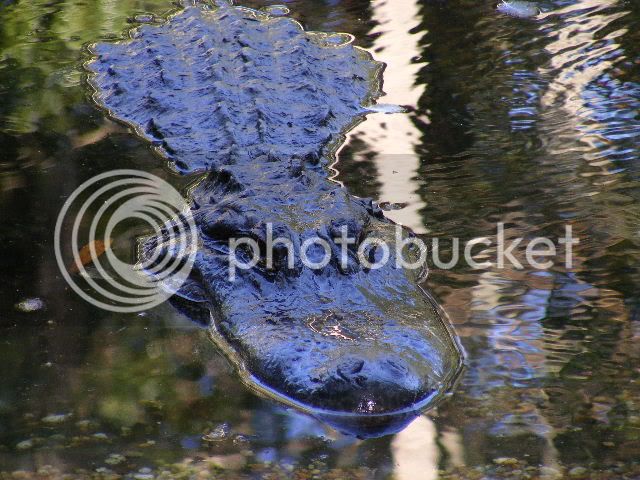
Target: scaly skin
(262,105)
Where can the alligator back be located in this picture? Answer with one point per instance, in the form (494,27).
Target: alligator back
(222,85)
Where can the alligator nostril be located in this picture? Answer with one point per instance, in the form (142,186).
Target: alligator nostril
(395,367)
(349,368)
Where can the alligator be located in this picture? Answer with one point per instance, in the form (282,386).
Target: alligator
(258,107)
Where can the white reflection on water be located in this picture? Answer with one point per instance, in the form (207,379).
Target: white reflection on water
(580,56)
(415,451)
(394,137)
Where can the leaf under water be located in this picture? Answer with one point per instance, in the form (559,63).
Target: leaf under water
(89,253)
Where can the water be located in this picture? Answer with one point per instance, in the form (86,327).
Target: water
(530,122)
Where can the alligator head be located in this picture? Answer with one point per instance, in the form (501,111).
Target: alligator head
(343,341)
(262,105)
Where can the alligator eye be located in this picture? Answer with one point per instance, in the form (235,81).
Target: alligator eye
(371,254)
(221,225)
(349,229)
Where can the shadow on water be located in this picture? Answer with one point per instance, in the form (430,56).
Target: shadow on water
(530,122)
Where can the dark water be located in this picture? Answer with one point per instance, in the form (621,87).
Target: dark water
(531,122)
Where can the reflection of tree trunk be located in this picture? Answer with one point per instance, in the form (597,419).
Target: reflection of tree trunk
(385,144)
(415,451)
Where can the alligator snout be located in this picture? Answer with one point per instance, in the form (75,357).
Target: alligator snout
(369,382)
(376,363)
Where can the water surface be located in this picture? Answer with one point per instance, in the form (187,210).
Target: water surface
(530,122)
